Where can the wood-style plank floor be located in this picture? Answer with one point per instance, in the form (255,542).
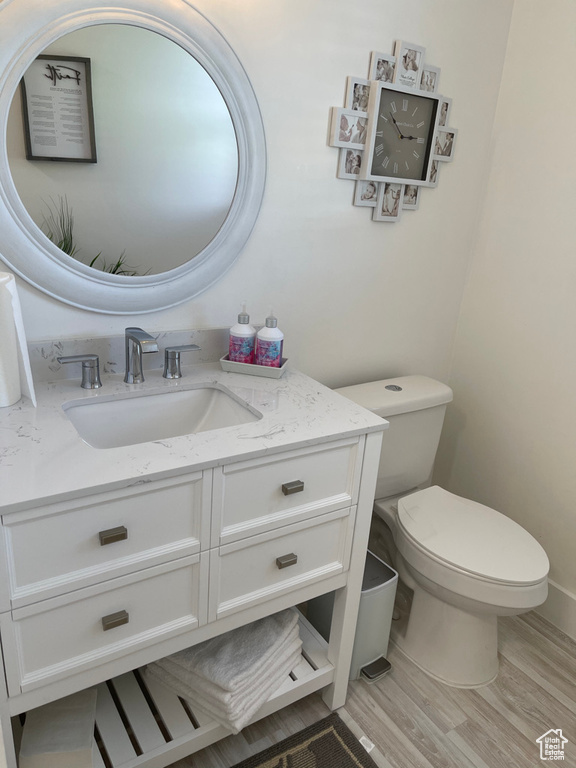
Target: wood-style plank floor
(415,722)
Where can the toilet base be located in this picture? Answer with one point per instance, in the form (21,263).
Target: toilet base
(453,646)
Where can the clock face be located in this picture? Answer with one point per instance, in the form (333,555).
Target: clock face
(403,136)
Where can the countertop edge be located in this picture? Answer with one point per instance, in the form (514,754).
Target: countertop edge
(136,480)
(44,461)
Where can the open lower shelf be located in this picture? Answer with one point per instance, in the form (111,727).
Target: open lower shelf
(141,723)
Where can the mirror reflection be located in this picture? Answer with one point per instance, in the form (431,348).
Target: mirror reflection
(167,158)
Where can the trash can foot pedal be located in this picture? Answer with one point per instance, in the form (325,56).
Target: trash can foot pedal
(375,670)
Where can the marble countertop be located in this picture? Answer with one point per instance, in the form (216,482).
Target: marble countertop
(43,459)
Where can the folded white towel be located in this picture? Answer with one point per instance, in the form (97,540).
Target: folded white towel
(236,707)
(241,714)
(228,700)
(230,659)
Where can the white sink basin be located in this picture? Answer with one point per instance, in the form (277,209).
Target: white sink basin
(131,418)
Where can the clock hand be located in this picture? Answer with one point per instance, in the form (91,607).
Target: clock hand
(396,125)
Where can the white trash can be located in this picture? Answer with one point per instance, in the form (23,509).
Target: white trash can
(374,619)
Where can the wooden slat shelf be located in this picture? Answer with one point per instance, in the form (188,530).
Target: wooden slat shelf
(140,723)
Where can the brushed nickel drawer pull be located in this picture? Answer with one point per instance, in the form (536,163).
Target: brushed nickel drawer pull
(115,620)
(286,560)
(113,534)
(293,487)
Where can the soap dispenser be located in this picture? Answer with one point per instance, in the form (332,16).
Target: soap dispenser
(242,339)
(269,343)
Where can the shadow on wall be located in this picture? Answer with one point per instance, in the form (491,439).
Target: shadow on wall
(454,424)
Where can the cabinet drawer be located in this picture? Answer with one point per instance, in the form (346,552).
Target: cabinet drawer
(255,496)
(69,545)
(268,565)
(69,634)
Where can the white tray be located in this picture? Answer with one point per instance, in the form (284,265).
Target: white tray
(254,370)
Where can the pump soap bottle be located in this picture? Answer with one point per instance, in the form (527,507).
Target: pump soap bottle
(242,339)
(269,343)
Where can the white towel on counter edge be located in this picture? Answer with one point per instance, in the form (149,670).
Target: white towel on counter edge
(228,699)
(240,718)
(229,660)
(11,306)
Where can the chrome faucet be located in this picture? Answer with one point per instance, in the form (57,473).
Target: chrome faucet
(90,369)
(138,342)
(172,360)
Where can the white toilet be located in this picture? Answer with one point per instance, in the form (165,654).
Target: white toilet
(466,563)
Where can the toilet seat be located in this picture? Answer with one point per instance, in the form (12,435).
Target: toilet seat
(470,538)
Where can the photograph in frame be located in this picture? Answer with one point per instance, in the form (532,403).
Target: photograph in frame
(357,94)
(411,197)
(349,162)
(429,78)
(409,64)
(382,67)
(366,193)
(433,173)
(389,202)
(57,109)
(444,144)
(444,116)
(348,128)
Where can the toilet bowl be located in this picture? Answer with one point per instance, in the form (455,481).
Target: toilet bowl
(467,564)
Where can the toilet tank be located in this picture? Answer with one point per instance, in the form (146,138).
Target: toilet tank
(415,407)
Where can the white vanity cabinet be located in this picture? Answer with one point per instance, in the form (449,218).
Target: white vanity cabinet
(89,578)
(260,495)
(98,583)
(56,548)
(281,523)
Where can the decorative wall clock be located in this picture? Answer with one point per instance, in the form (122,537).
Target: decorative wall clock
(393,131)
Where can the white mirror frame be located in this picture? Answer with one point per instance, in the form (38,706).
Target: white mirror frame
(26,28)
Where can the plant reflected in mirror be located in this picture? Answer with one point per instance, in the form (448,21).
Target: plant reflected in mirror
(58,226)
(118,267)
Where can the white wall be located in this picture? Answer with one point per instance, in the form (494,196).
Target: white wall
(356,299)
(509,439)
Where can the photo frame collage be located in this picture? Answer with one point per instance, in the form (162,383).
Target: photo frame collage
(407,69)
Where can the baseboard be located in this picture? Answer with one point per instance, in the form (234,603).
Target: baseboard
(560,609)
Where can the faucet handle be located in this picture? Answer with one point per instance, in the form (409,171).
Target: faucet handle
(172,360)
(90,369)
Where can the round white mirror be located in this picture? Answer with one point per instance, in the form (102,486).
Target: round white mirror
(179,149)
(166,163)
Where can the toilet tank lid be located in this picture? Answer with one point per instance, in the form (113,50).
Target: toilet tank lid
(390,397)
